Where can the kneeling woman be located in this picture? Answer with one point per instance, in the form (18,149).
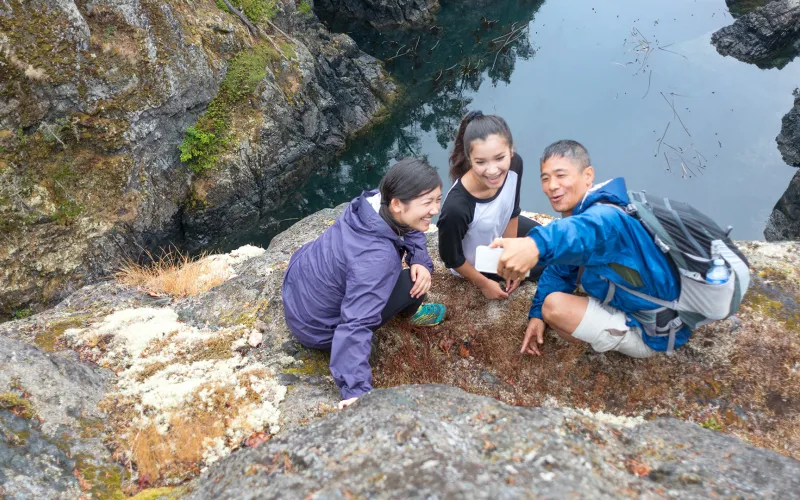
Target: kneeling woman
(483,202)
(339,288)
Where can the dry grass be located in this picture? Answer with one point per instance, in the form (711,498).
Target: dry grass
(173,274)
(745,382)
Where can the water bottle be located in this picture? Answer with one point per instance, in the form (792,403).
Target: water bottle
(717,274)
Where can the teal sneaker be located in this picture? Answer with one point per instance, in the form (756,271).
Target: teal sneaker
(429,315)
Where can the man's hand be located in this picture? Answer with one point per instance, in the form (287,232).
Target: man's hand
(347,402)
(535,329)
(422,280)
(493,291)
(520,256)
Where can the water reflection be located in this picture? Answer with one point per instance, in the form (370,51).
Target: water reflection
(439,67)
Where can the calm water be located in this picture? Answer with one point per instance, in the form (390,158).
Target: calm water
(604,73)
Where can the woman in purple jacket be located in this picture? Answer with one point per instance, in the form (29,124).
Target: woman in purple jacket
(342,286)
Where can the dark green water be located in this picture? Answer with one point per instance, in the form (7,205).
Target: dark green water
(607,74)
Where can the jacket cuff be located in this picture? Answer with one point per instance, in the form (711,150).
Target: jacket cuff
(541,244)
(355,392)
(535,312)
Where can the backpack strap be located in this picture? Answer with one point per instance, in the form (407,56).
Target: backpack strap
(672,321)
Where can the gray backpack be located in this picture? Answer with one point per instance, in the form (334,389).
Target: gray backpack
(691,240)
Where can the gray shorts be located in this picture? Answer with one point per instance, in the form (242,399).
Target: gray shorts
(604,328)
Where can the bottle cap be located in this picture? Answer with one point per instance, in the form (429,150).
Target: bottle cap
(719,262)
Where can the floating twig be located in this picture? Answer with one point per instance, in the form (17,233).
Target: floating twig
(662,138)
(675,112)
(648,85)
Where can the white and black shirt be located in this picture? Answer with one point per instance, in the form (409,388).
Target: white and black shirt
(466,222)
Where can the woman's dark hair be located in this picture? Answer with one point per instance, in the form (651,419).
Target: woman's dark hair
(474,126)
(407,179)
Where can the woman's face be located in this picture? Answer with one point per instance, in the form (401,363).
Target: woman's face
(490,160)
(417,213)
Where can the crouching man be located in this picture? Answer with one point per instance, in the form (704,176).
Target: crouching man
(600,248)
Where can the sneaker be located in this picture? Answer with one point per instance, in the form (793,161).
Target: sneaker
(428,315)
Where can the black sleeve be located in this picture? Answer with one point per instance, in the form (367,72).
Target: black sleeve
(516,166)
(454,220)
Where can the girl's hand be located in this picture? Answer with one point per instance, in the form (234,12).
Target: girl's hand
(347,402)
(512,285)
(422,280)
(492,290)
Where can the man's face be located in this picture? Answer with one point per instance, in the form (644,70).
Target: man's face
(564,183)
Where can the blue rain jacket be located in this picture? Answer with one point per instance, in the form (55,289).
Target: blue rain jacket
(595,236)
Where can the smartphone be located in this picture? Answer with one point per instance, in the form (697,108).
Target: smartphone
(486,259)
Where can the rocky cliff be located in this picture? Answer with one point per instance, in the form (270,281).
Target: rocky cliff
(124,387)
(768,36)
(128,125)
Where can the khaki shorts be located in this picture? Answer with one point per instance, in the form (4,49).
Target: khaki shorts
(604,328)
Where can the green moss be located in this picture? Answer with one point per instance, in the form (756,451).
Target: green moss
(256,10)
(211,135)
(711,424)
(17,405)
(246,318)
(314,363)
(22,313)
(304,8)
(47,339)
(160,494)
(105,481)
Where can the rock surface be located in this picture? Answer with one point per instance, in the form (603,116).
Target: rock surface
(381,13)
(438,441)
(736,376)
(768,36)
(98,98)
(40,453)
(784,221)
(789,138)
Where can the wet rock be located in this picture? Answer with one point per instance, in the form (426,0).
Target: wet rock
(784,221)
(58,450)
(381,13)
(789,138)
(424,441)
(768,37)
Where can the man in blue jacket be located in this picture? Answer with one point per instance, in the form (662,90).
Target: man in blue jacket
(600,246)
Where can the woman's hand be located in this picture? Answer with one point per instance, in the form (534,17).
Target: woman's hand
(492,290)
(422,280)
(347,402)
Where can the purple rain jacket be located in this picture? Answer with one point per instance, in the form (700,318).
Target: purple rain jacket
(337,285)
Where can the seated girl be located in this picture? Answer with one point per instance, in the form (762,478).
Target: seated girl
(339,288)
(483,202)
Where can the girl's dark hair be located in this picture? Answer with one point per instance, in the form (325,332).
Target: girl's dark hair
(474,126)
(407,179)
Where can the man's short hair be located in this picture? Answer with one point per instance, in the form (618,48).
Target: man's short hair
(573,150)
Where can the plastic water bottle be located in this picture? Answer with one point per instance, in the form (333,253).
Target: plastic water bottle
(717,274)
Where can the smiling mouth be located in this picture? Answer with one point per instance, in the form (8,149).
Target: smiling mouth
(494,179)
(555,199)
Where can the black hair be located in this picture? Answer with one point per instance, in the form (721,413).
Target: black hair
(406,180)
(572,150)
(475,125)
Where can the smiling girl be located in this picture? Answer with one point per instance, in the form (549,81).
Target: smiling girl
(342,286)
(483,202)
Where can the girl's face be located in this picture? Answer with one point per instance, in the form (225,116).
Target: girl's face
(490,160)
(417,213)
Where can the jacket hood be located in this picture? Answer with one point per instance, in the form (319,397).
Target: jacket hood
(363,219)
(611,191)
